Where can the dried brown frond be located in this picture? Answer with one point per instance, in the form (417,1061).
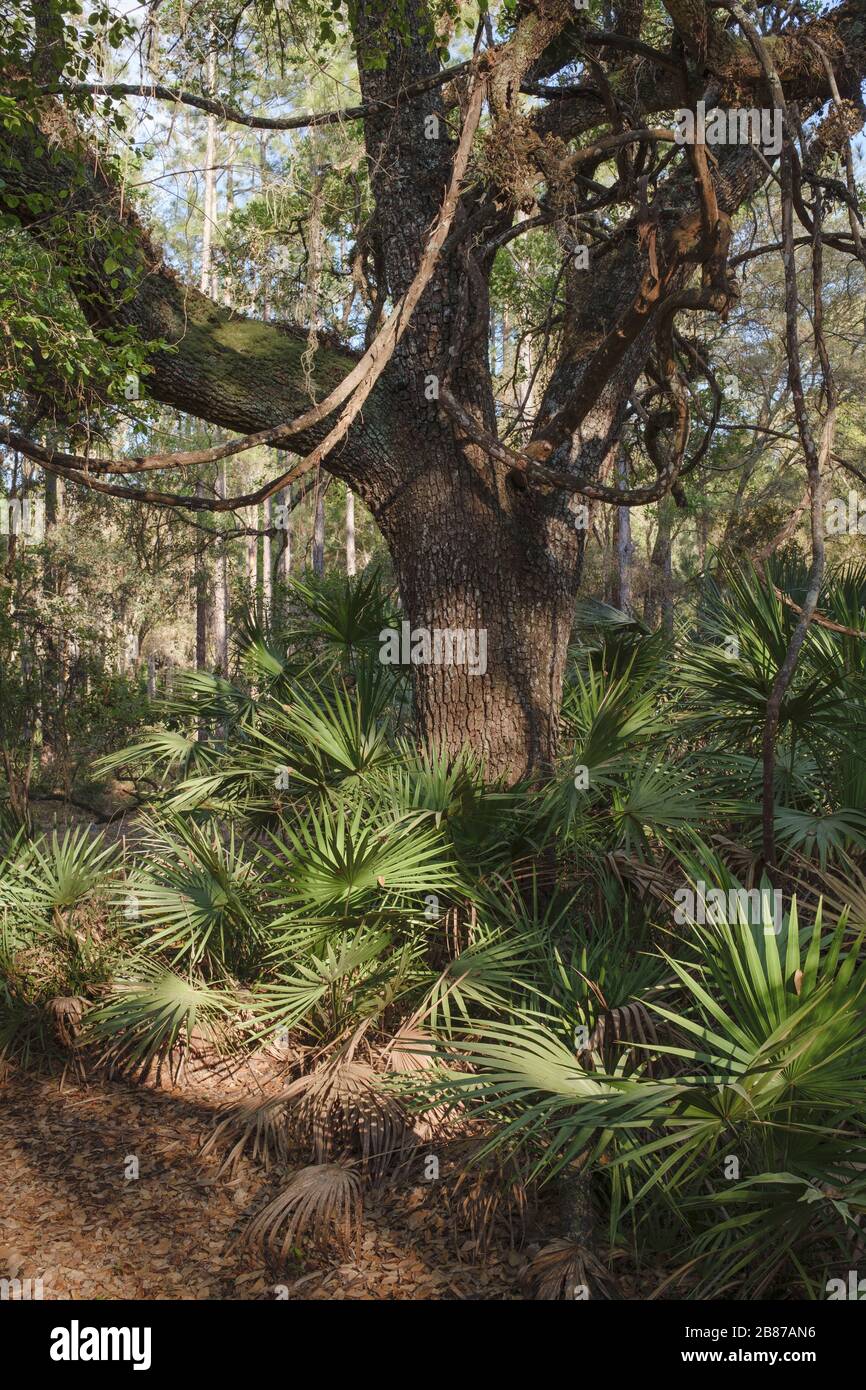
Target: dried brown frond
(646,877)
(339,1108)
(410,1052)
(489,1196)
(66,1013)
(258,1128)
(566,1269)
(614,1030)
(323,1202)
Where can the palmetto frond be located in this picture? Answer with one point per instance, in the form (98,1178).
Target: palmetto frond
(608,718)
(323,1202)
(163,751)
(343,855)
(199,896)
(346,614)
(728,672)
(49,875)
(770,1068)
(349,975)
(333,734)
(152,1018)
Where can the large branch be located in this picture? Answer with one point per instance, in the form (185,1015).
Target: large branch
(353,390)
(524,466)
(727,56)
(237,372)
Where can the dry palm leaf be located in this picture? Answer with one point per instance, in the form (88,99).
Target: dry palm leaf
(259,1129)
(615,1029)
(338,1108)
(566,1269)
(490,1192)
(67,1012)
(411,1052)
(647,877)
(323,1202)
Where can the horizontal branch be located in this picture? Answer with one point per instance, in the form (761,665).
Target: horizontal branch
(300,495)
(227,112)
(794,439)
(839,242)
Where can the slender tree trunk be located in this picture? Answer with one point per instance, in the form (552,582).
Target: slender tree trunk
(200,598)
(229,201)
(319,529)
(525,395)
(252,548)
(659,598)
(283,566)
(221,592)
(51,717)
(703,526)
(267,561)
(208,279)
(350,531)
(624,544)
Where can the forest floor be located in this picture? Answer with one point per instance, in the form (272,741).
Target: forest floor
(71,1214)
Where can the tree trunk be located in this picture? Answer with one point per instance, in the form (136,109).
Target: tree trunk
(319,529)
(659,599)
(449,523)
(252,556)
(624,543)
(509,589)
(283,566)
(200,598)
(267,562)
(52,584)
(350,531)
(221,593)
(208,278)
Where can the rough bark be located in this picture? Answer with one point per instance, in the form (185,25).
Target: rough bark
(284,543)
(624,545)
(200,583)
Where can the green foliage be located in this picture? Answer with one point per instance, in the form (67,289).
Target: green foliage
(769,1074)
(151,1019)
(415,936)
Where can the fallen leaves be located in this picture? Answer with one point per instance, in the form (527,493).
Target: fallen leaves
(69,1215)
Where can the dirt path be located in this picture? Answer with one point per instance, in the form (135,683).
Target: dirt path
(72,1214)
